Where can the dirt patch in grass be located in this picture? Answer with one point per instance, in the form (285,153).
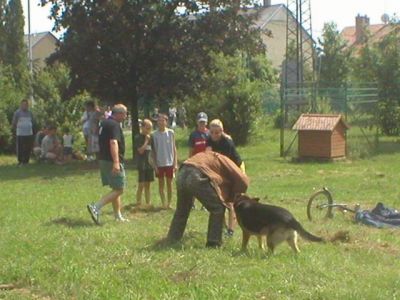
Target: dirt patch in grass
(13,289)
(184,276)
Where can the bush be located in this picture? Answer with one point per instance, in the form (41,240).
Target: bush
(233,92)
(389,117)
(5,133)
(10,98)
(53,106)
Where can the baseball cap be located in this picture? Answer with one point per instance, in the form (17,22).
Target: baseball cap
(202,116)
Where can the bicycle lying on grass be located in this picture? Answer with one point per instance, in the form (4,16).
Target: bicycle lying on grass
(320,206)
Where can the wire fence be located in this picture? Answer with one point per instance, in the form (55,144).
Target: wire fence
(357,103)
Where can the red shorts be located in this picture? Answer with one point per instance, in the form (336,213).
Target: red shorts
(165,172)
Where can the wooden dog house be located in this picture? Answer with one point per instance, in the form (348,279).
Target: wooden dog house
(321,136)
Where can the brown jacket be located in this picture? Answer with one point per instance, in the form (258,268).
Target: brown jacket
(227,178)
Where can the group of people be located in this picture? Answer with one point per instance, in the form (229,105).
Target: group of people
(214,172)
(45,144)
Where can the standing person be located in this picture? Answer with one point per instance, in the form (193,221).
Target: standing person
(198,138)
(220,142)
(22,124)
(93,138)
(214,180)
(143,157)
(111,162)
(86,119)
(165,158)
(37,143)
(182,116)
(107,112)
(172,116)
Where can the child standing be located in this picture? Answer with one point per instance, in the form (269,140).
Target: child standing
(222,143)
(143,156)
(198,138)
(165,158)
(68,140)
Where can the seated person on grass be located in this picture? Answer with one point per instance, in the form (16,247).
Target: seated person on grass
(37,143)
(51,147)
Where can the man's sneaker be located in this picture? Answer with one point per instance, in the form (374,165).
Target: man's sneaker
(94,213)
(121,219)
(213,245)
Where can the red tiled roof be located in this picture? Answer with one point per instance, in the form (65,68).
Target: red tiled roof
(349,33)
(321,122)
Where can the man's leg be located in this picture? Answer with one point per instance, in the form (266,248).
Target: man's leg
(19,149)
(29,145)
(24,149)
(210,200)
(117,206)
(183,207)
(110,197)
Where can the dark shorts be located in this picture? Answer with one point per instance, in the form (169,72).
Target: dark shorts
(67,151)
(165,172)
(146,175)
(115,181)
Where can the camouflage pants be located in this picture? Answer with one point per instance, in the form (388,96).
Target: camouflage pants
(192,183)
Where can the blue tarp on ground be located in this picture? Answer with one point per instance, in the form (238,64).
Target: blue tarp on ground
(381,216)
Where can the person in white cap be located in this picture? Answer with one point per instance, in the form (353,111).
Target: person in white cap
(198,138)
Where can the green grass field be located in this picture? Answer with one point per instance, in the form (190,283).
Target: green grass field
(50,249)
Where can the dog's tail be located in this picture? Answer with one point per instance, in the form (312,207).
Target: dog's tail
(304,233)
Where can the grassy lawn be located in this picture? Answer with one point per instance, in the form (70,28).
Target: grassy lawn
(50,249)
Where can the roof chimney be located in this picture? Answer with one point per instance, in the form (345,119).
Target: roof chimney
(362,23)
(266,3)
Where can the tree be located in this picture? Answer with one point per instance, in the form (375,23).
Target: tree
(15,50)
(236,85)
(124,50)
(334,68)
(2,30)
(388,78)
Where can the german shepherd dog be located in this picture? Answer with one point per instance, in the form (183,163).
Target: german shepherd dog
(274,222)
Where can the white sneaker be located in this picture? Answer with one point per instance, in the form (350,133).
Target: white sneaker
(121,219)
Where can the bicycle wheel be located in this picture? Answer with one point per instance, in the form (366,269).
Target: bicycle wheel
(319,205)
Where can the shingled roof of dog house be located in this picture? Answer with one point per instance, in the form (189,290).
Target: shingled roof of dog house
(321,136)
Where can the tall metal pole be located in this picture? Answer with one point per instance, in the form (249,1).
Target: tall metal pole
(30,54)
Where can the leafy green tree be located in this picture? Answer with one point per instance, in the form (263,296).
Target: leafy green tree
(2,30)
(335,58)
(365,65)
(153,49)
(236,85)
(53,105)
(388,78)
(15,50)
(10,97)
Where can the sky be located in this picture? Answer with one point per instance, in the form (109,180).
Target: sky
(342,12)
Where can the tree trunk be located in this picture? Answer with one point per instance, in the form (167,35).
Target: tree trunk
(134,119)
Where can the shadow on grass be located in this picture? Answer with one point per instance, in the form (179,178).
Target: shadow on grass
(189,240)
(47,171)
(71,223)
(133,208)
